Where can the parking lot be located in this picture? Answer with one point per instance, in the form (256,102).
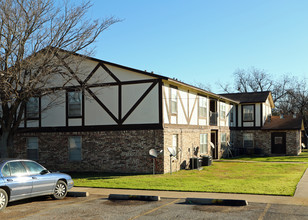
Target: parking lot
(99,207)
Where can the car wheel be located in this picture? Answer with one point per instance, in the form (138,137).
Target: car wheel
(3,199)
(60,190)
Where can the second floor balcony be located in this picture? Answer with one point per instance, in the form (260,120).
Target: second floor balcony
(213,118)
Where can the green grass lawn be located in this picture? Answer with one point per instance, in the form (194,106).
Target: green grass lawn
(303,157)
(226,177)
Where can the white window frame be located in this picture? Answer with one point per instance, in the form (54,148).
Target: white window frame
(75,148)
(202,107)
(204,143)
(222,110)
(248,113)
(74,102)
(248,137)
(174,101)
(33,107)
(32,145)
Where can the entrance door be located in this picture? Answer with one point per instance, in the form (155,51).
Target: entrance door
(278,143)
(214,141)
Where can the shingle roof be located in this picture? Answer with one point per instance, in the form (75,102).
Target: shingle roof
(285,123)
(249,97)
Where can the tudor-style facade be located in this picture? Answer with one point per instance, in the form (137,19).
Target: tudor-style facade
(109,116)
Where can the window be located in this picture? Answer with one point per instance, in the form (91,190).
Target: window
(17,169)
(248,112)
(175,144)
(6,170)
(222,110)
(232,114)
(32,148)
(32,108)
(223,140)
(75,148)
(174,102)
(202,106)
(74,103)
(33,167)
(203,143)
(248,140)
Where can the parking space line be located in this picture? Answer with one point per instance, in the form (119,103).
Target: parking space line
(153,210)
(264,212)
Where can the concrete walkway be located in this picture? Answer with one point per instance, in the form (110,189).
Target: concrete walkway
(300,197)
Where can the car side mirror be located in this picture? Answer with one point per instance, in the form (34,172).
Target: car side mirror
(44,172)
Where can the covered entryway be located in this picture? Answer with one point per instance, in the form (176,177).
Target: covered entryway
(279,143)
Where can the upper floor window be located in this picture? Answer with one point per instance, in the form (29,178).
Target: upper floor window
(174,101)
(32,107)
(232,114)
(202,106)
(32,148)
(203,143)
(74,103)
(248,112)
(222,110)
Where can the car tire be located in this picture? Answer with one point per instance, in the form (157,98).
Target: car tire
(3,199)
(60,190)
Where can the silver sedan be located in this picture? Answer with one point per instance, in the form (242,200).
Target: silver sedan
(20,179)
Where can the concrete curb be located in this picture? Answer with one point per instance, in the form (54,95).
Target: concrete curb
(226,202)
(78,194)
(133,197)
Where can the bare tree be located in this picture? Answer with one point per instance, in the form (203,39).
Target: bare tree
(33,34)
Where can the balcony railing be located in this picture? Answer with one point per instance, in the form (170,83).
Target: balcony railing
(213,118)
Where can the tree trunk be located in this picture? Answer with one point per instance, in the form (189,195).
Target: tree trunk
(4,144)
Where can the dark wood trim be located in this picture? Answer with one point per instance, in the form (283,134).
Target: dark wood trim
(120,104)
(70,70)
(192,111)
(154,126)
(82,108)
(110,73)
(160,102)
(261,114)
(102,105)
(246,128)
(254,115)
(236,116)
(138,102)
(92,73)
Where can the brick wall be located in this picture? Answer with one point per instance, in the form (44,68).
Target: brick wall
(106,151)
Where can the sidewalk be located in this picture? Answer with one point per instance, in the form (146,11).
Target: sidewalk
(300,197)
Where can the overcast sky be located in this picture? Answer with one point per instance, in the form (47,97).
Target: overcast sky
(206,40)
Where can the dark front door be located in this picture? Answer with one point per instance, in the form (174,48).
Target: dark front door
(214,141)
(278,143)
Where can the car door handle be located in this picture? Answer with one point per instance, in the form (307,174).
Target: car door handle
(9,180)
(35,178)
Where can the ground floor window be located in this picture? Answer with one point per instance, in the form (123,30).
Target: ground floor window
(75,148)
(203,143)
(223,140)
(32,148)
(175,143)
(247,140)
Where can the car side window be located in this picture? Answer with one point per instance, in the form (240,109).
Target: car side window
(17,169)
(33,167)
(6,170)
